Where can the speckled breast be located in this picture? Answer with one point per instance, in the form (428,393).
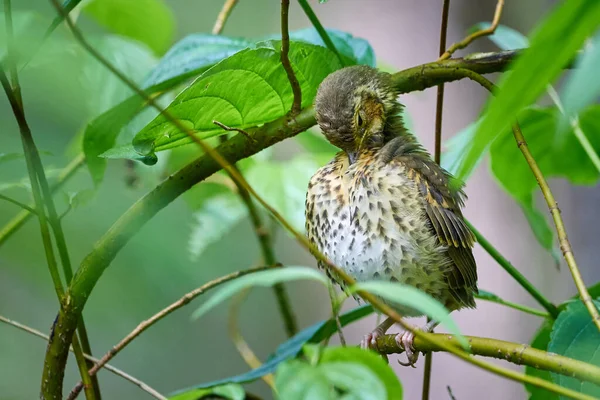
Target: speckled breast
(368,219)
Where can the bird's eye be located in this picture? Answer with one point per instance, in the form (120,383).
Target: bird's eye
(359,120)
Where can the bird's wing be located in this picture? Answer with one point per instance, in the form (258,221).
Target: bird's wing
(442,206)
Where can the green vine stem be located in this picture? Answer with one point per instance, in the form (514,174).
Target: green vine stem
(520,354)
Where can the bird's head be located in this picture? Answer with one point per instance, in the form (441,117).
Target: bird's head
(353,107)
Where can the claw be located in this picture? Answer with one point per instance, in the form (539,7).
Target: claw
(405,340)
(369,341)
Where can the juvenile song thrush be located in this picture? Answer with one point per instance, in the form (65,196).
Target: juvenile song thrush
(382,209)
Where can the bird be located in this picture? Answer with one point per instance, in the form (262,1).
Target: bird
(382,209)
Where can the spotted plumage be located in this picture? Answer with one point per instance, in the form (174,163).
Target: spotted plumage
(382,208)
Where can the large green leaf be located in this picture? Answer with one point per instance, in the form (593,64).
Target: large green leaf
(408,296)
(540,341)
(217,216)
(244,90)
(576,336)
(283,185)
(582,86)
(552,46)
(313,334)
(263,278)
(149,21)
(337,373)
(374,362)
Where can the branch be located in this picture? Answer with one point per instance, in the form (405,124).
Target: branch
(520,354)
(108,367)
(223,16)
(515,273)
(484,32)
(320,29)
(157,317)
(19,220)
(285,61)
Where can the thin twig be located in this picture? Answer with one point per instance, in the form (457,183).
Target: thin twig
(320,29)
(223,16)
(157,317)
(108,367)
(484,32)
(561,231)
(520,354)
(230,129)
(515,273)
(285,60)
(79,290)
(449,389)
(18,203)
(19,220)
(238,340)
(440,89)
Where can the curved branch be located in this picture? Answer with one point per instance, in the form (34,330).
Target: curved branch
(520,354)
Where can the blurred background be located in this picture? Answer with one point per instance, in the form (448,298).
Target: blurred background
(156,268)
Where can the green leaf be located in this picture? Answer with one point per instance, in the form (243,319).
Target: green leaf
(4,157)
(149,21)
(244,90)
(230,392)
(216,217)
(297,380)
(283,185)
(540,341)
(67,6)
(540,226)
(582,85)
(79,198)
(263,278)
(337,373)
(575,335)
(408,296)
(313,334)
(193,55)
(374,362)
(504,37)
(356,49)
(553,45)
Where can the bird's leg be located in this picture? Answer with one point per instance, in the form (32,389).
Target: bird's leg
(405,340)
(370,340)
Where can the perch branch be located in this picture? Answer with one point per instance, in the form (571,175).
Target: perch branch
(472,37)
(314,20)
(520,354)
(223,16)
(515,273)
(157,317)
(563,239)
(19,220)
(105,250)
(285,60)
(108,367)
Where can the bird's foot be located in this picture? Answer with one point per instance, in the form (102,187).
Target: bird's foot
(405,340)
(369,341)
